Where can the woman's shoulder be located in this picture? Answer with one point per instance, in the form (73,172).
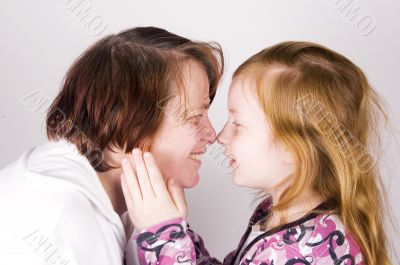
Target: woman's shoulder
(317,239)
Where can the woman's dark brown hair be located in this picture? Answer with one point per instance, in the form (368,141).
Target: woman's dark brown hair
(115,92)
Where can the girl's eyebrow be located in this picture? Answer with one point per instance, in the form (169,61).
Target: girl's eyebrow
(233,111)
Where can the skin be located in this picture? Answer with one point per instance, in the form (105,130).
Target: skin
(177,140)
(149,200)
(180,136)
(259,160)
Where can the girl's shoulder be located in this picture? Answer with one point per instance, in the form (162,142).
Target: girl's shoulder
(314,239)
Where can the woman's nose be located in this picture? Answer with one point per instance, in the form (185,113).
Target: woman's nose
(211,135)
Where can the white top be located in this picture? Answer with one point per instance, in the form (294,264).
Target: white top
(54,210)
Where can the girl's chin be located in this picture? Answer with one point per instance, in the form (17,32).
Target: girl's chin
(240,181)
(236,179)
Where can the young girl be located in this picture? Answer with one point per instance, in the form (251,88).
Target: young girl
(302,123)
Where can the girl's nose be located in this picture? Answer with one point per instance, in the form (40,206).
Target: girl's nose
(221,137)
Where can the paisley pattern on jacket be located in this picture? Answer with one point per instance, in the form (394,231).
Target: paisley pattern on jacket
(312,239)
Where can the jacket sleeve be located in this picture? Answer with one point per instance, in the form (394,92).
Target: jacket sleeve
(172,242)
(202,255)
(165,243)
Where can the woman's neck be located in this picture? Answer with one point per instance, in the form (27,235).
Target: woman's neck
(112,185)
(111,179)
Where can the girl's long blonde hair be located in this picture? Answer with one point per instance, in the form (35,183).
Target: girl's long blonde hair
(321,106)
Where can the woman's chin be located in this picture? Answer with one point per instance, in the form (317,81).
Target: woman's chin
(191,181)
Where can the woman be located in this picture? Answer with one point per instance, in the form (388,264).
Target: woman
(144,87)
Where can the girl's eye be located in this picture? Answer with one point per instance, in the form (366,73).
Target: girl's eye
(236,124)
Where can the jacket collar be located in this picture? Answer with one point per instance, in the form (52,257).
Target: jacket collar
(261,212)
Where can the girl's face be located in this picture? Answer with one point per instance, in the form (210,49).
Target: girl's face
(181,140)
(257,160)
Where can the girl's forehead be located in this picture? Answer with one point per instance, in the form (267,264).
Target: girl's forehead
(242,92)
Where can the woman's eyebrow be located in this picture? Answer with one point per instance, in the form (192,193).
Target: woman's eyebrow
(194,116)
(205,104)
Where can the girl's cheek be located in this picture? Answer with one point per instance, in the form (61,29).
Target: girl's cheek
(238,141)
(233,137)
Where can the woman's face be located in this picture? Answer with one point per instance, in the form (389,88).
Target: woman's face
(257,160)
(181,141)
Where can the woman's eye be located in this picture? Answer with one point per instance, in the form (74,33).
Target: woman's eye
(195,120)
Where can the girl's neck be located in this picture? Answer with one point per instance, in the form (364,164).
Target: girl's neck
(298,208)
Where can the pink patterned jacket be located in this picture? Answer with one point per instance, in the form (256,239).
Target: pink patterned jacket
(312,239)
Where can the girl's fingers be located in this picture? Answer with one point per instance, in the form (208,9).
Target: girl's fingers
(142,174)
(178,196)
(131,180)
(156,179)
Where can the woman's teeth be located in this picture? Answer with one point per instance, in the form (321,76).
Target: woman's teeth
(196,157)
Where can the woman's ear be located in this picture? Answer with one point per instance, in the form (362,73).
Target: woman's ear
(146,144)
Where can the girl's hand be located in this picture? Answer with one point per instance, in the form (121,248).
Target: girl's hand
(148,199)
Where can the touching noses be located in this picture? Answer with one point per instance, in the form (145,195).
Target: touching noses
(221,137)
(205,133)
(210,134)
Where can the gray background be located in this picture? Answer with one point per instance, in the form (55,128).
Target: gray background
(40,39)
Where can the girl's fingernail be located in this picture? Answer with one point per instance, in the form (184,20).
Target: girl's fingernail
(135,151)
(147,154)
